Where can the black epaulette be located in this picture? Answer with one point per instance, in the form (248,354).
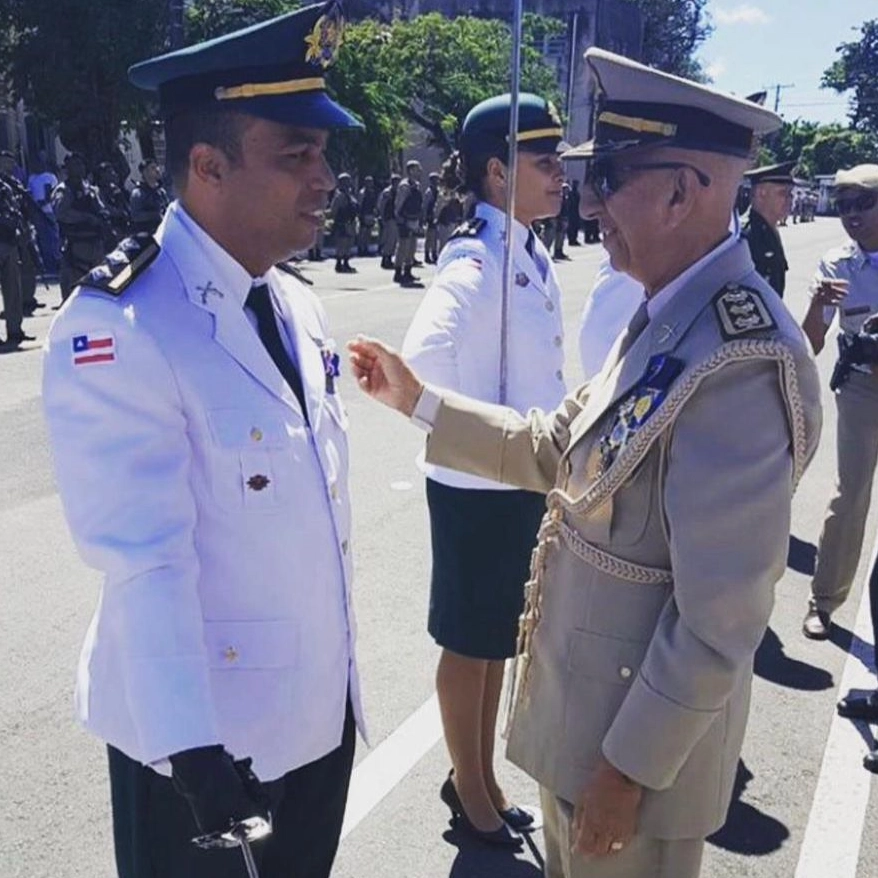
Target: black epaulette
(741,310)
(123,266)
(472,228)
(290,269)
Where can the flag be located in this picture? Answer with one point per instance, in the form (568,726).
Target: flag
(88,349)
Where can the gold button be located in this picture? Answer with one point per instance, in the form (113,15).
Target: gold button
(256,434)
(231,654)
(550,306)
(625,672)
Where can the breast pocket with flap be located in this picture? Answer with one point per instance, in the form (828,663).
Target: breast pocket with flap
(251,460)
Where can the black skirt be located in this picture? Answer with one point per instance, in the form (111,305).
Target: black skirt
(482,543)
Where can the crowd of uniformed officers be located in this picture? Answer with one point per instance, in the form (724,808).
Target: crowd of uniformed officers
(92,213)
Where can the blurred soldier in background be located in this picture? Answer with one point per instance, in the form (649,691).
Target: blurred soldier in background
(560,229)
(84,224)
(10,272)
(368,215)
(389,234)
(343,213)
(115,200)
(430,220)
(408,204)
(28,252)
(573,218)
(149,200)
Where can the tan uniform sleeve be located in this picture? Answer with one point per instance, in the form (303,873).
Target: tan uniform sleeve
(727,505)
(497,443)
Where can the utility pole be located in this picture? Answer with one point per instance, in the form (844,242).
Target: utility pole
(778,88)
(175,16)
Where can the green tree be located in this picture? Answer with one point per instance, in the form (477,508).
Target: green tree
(672,32)
(439,67)
(857,70)
(835,147)
(68,60)
(206,19)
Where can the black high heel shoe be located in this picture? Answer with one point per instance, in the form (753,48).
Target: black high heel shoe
(518,819)
(501,837)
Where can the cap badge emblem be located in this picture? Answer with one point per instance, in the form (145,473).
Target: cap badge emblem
(325,40)
(554,115)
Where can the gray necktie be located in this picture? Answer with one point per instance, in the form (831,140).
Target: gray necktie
(635,327)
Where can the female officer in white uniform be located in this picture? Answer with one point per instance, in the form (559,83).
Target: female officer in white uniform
(483,532)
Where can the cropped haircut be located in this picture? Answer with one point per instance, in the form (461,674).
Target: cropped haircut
(218,127)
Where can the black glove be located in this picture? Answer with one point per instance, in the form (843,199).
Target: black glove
(219,790)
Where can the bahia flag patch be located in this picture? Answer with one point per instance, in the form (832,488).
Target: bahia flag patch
(90,349)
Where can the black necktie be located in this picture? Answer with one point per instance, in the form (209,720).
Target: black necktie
(259,302)
(538,258)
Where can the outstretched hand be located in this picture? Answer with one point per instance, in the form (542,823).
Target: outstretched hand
(383,374)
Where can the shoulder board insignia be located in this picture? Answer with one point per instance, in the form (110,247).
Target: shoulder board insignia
(472,228)
(741,310)
(290,269)
(123,266)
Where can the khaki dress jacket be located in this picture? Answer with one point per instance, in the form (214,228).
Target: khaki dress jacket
(669,480)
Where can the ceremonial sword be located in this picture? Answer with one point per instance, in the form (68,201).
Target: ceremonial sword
(239,835)
(512,166)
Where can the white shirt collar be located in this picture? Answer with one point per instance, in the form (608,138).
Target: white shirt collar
(666,293)
(219,267)
(497,218)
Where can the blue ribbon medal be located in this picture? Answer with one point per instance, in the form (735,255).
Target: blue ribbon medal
(639,406)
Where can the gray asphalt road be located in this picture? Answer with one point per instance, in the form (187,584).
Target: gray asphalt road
(54,812)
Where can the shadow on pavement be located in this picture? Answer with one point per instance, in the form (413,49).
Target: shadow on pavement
(748,830)
(772,663)
(802,556)
(476,860)
(848,641)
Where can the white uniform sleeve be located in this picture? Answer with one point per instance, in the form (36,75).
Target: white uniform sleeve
(444,322)
(122,460)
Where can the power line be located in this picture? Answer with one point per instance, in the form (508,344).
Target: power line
(778,87)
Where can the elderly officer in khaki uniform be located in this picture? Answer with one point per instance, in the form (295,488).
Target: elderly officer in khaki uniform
(846,287)
(636,649)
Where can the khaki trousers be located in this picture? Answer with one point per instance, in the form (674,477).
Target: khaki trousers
(389,238)
(838,552)
(642,858)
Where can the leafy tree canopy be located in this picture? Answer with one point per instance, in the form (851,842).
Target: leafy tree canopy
(68,60)
(857,70)
(672,32)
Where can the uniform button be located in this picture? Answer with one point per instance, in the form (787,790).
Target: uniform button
(558,341)
(625,672)
(256,434)
(550,306)
(231,654)
(559,375)
(344,547)
(333,491)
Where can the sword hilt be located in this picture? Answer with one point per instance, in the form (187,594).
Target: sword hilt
(239,835)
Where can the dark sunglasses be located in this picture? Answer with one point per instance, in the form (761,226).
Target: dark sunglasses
(859,203)
(606,179)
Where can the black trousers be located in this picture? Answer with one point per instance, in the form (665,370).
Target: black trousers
(153,826)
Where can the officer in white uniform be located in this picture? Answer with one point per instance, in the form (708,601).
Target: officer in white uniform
(200,445)
(483,531)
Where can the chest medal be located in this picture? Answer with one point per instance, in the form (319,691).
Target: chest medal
(638,407)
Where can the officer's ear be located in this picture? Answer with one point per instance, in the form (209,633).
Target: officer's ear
(207,165)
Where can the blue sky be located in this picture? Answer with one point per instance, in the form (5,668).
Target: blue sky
(759,43)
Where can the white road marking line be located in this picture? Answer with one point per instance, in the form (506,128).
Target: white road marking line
(391,761)
(831,846)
